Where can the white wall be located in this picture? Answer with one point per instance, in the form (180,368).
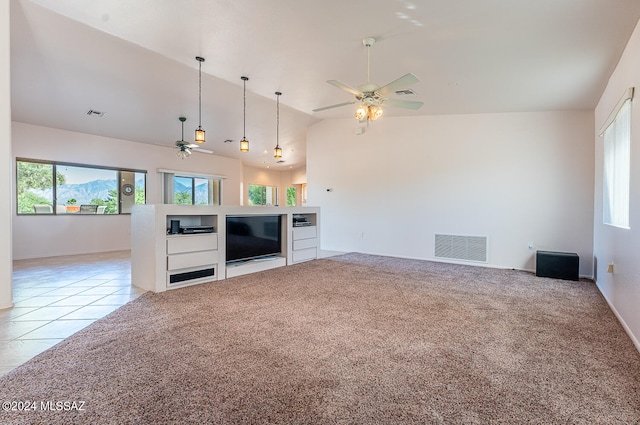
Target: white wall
(299,175)
(45,236)
(516,178)
(6,207)
(611,244)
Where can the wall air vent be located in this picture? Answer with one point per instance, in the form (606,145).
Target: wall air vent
(94,113)
(405,92)
(466,248)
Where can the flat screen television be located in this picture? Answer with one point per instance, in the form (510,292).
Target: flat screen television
(253,236)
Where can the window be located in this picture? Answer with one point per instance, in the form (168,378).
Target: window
(263,195)
(617,149)
(59,188)
(183,190)
(188,189)
(291,196)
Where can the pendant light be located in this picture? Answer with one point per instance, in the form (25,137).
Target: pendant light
(277,152)
(199,131)
(244,143)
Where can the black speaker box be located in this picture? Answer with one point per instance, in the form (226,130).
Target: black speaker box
(557,265)
(175,227)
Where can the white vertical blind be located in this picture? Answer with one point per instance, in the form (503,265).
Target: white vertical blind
(617,153)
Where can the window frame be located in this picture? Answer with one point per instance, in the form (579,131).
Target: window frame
(215,186)
(616,165)
(274,195)
(54,187)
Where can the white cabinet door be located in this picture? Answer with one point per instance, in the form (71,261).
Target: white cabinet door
(191,259)
(191,243)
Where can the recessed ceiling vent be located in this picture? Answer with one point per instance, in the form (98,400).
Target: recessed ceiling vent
(228,141)
(405,92)
(94,113)
(280,161)
(466,248)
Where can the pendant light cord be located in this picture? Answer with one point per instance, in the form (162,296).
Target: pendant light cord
(278,121)
(244,108)
(199,93)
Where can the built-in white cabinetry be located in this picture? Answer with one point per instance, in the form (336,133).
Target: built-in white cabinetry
(162,260)
(305,244)
(191,259)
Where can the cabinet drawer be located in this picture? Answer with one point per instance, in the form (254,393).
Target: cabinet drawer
(304,254)
(305,243)
(180,244)
(191,259)
(304,233)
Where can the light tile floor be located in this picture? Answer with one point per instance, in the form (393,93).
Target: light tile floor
(56,297)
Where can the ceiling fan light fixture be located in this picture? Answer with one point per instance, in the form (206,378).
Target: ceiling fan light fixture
(244,143)
(277,151)
(372,97)
(183,147)
(200,133)
(374,112)
(184,152)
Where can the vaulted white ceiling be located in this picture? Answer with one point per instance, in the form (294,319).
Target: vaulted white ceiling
(135,60)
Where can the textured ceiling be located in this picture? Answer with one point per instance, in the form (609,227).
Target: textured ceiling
(136,62)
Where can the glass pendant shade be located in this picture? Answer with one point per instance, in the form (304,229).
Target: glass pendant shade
(200,135)
(277,152)
(244,145)
(361,113)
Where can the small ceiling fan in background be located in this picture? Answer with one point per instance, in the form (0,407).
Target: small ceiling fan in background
(185,148)
(373,97)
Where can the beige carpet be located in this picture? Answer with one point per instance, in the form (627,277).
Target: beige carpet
(354,339)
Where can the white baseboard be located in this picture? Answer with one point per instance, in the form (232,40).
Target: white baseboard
(621,320)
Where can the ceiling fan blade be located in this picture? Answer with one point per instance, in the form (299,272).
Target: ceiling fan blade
(345,87)
(401,83)
(406,104)
(334,106)
(202,150)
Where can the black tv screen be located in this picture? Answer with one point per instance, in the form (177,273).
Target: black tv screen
(253,236)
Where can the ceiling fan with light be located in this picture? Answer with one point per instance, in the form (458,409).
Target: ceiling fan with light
(373,97)
(185,148)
